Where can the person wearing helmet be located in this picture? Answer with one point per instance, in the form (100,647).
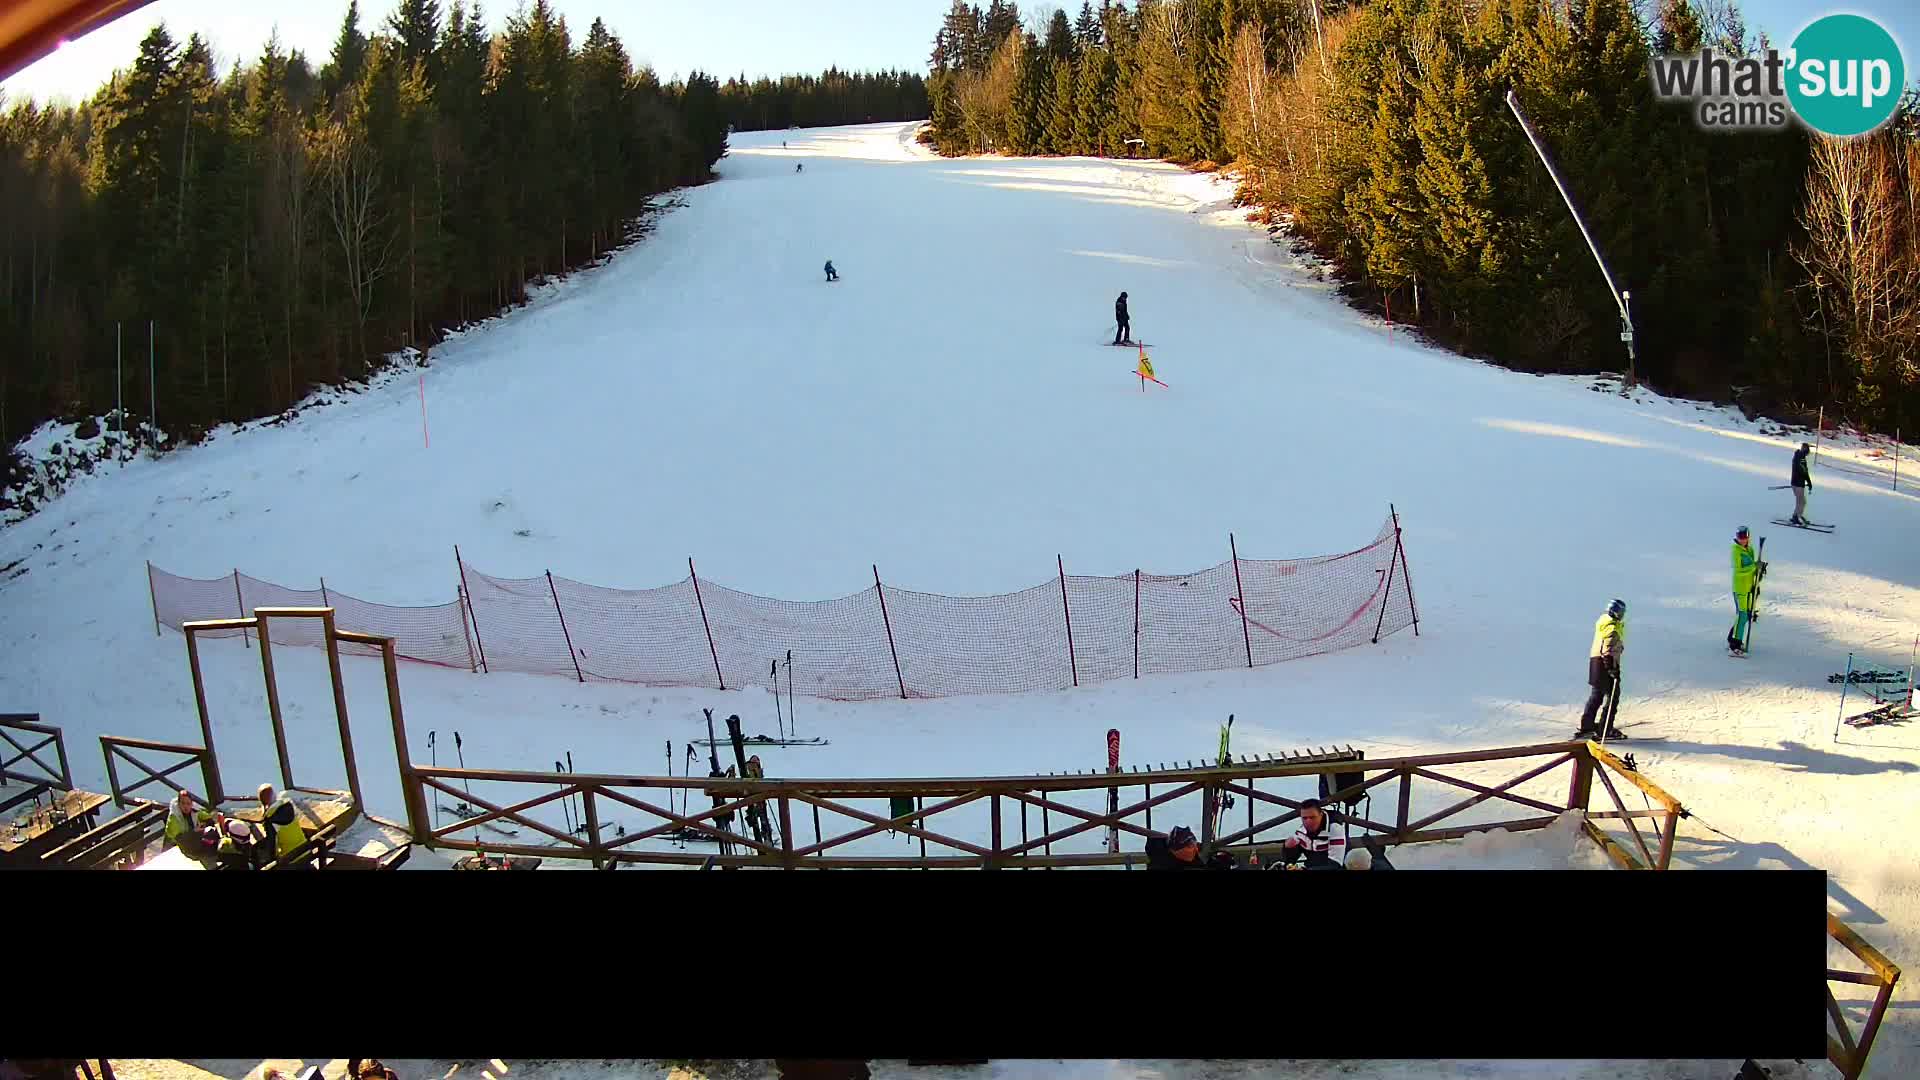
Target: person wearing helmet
(1123,328)
(1747,572)
(1180,850)
(1603,668)
(1802,483)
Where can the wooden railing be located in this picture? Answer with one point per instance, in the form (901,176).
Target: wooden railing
(1848,1053)
(938,799)
(121,747)
(60,778)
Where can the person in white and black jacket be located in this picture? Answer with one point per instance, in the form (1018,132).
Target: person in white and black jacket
(1315,841)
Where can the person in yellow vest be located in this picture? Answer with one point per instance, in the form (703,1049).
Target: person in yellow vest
(282,822)
(1603,669)
(185,822)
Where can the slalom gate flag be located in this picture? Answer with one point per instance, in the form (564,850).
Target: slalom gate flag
(1145,370)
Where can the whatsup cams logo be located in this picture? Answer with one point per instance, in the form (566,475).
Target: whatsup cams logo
(1843,76)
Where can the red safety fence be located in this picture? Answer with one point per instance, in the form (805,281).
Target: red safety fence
(880,642)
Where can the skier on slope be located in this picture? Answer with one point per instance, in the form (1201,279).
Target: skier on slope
(1802,483)
(832,274)
(1747,572)
(1603,668)
(1180,850)
(1314,840)
(1123,330)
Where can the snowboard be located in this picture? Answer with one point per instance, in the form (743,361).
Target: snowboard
(1129,344)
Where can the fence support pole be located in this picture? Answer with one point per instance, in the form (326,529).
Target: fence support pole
(239,604)
(1406,575)
(273,705)
(410,790)
(880,591)
(339,705)
(1073,662)
(324,602)
(1242,590)
(1136,622)
(471,611)
(704,624)
(593,832)
(575,657)
(153,598)
(209,766)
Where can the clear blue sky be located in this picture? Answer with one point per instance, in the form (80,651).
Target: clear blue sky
(726,37)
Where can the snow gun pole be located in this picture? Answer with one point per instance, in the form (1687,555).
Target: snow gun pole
(1620,299)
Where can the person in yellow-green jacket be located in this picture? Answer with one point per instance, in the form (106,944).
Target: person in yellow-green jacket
(184,824)
(282,822)
(1748,569)
(1603,668)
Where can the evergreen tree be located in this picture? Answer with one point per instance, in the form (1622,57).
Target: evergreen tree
(1062,111)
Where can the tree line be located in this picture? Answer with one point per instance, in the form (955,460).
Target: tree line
(832,98)
(285,225)
(1777,268)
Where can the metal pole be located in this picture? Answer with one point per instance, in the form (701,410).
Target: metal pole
(471,613)
(153,392)
(1845,681)
(575,657)
(1073,662)
(153,598)
(704,624)
(1619,298)
(240,605)
(119,393)
(881,592)
(1136,623)
(1406,575)
(1242,590)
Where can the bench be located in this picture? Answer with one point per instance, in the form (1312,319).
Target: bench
(98,848)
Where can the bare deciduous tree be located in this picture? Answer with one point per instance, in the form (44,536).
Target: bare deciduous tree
(350,177)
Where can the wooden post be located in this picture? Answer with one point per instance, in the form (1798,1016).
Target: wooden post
(471,612)
(1073,662)
(880,591)
(816,827)
(113,775)
(1667,829)
(920,804)
(339,704)
(409,783)
(593,832)
(273,705)
(786,832)
(704,623)
(994,862)
(1136,622)
(239,603)
(1209,796)
(212,764)
(575,657)
(153,598)
(1582,787)
(1242,590)
(1406,801)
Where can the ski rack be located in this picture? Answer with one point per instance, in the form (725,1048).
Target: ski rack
(1286,757)
(1893,703)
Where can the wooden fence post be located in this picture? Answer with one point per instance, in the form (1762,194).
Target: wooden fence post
(575,657)
(703,622)
(881,591)
(1073,662)
(1242,590)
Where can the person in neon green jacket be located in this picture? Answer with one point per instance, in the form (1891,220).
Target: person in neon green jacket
(1603,668)
(1747,572)
(184,822)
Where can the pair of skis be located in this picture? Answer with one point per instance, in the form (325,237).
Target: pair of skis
(465,810)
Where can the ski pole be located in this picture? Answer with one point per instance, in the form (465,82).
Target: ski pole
(792,723)
(566,807)
(460,749)
(773,671)
(579,799)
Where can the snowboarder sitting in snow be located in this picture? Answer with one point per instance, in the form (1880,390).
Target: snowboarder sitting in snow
(1180,850)
(832,274)
(1802,483)
(1123,331)
(1747,572)
(1314,840)
(1603,668)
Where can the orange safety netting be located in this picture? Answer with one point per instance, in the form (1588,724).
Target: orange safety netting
(879,642)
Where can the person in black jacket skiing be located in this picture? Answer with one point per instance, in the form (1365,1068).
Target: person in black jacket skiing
(1802,483)
(1123,330)
(1180,850)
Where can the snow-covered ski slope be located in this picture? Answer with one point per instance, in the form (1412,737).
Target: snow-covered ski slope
(949,411)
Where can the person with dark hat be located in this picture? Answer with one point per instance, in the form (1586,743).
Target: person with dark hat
(1180,850)
(1802,483)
